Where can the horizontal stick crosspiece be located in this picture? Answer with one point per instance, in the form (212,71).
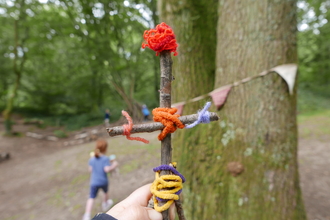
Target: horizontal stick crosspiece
(151,127)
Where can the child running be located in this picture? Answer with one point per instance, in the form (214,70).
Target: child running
(99,166)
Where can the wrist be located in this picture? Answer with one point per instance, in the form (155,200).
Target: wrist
(103,216)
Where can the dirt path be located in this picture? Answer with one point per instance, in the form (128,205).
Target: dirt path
(314,165)
(314,162)
(46,180)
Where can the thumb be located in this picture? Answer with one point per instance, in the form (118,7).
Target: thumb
(153,214)
(140,213)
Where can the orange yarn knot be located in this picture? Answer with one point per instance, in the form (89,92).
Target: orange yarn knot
(159,39)
(169,119)
(128,127)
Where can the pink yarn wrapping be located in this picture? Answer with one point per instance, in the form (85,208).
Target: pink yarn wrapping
(128,127)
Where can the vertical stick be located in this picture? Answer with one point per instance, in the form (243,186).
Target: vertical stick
(179,210)
(165,102)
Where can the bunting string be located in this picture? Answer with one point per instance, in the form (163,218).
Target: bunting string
(287,71)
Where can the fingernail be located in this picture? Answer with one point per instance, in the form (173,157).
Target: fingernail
(154,215)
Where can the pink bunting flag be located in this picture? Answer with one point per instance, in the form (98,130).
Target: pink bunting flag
(219,96)
(179,106)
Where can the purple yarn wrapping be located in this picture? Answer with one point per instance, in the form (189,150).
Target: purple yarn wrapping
(173,170)
(203,116)
(170,168)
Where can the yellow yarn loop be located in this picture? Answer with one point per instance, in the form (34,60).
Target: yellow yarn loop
(165,187)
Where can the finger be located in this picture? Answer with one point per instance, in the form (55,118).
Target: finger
(154,215)
(139,197)
(137,213)
(140,213)
(172,211)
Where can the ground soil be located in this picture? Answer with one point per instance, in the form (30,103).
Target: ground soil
(48,180)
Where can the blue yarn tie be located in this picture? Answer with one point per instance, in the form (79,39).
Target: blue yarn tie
(203,116)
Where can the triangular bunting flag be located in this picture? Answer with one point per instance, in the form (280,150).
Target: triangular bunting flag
(179,106)
(288,72)
(219,95)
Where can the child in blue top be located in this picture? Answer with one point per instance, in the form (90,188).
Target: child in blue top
(107,118)
(145,112)
(99,166)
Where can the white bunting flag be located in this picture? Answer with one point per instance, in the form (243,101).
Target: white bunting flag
(288,72)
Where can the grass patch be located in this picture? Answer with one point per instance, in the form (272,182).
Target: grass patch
(312,102)
(13,217)
(74,122)
(70,122)
(313,113)
(12,134)
(60,134)
(79,179)
(57,198)
(143,155)
(314,125)
(129,167)
(76,208)
(309,117)
(58,164)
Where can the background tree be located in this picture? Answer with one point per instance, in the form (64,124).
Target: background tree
(18,54)
(258,123)
(92,50)
(83,57)
(313,54)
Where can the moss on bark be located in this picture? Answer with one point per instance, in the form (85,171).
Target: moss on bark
(258,123)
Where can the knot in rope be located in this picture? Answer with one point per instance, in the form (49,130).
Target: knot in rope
(169,119)
(128,127)
(166,188)
(203,116)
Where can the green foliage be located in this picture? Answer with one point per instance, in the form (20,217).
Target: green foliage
(313,45)
(86,55)
(80,55)
(60,134)
(33,121)
(74,122)
(314,54)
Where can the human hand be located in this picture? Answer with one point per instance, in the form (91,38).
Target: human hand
(134,207)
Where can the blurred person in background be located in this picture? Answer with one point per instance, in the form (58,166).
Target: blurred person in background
(99,166)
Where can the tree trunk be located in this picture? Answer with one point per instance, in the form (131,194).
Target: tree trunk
(18,64)
(17,69)
(133,107)
(194,24)
(257,132)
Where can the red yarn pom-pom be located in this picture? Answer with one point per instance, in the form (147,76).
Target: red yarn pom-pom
(159,39)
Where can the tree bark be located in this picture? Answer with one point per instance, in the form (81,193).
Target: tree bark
(257,133)
(18,64)
(194,24)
